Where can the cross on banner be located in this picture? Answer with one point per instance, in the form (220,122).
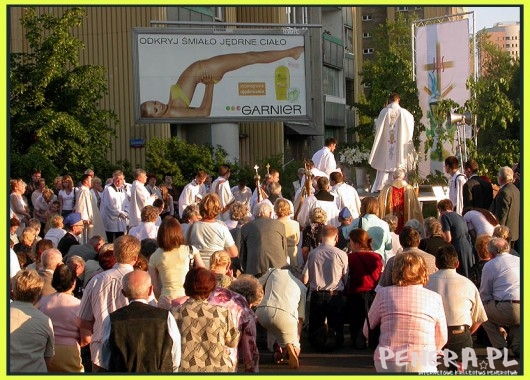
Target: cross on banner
(438,65)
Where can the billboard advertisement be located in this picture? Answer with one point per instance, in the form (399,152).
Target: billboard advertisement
(198,76)
(442,69)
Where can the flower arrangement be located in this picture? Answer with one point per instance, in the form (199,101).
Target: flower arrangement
(353,156)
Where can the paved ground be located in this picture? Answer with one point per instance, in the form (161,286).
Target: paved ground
(350,361)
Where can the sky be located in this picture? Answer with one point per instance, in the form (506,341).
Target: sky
(486,17)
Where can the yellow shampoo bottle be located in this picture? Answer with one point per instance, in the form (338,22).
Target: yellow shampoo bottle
(282,82)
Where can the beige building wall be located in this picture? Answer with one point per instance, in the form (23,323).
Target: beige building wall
(107,35)
(259,140)
(506,35)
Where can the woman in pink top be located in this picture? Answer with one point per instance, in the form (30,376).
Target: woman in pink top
(412,319)
(62,308)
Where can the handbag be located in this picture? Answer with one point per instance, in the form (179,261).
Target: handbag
(191,257)
(373,333)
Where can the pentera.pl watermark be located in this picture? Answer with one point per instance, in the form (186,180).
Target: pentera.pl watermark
(469,362)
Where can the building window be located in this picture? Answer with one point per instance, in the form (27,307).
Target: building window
(348,43)
(367,35)
(402,9)
(219,14)
(368,51)
(367,17)
(330,81)
(297,15)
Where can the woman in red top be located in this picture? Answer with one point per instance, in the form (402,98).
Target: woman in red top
(365,268)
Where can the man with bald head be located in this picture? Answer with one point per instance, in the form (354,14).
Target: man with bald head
(140,337)
(506,205)
(50,259)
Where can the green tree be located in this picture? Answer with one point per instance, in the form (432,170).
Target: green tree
(181,159)
(389,71)
(56,123)
(496,102)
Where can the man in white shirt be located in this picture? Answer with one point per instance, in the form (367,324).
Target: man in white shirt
(192,192)
(103,295)
(87,206)
(242,193)
(464,311)
(345,195)
(324,159)
(456,183)
(115,207)
(221,187)
(140,197)
(501,295)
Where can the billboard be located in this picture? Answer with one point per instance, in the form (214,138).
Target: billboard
(198,76)
(442,69)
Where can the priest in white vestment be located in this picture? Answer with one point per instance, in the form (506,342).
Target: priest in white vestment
(393,147)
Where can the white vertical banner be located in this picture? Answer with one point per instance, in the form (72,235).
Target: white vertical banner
(442,68)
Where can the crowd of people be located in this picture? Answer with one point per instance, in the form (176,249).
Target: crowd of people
(138,277)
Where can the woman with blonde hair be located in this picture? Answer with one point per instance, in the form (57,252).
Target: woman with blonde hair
(24,249)
(57,185)
(147,228)
(210,234)
(282,209)
(411,318)
(239,216)
(18,203)
(220,265)
(67,196)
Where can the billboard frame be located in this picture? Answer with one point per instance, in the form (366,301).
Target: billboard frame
(239,32)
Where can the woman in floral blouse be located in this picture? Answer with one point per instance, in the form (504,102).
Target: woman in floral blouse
(207,330)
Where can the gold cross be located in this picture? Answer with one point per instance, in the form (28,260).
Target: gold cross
(439,66)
